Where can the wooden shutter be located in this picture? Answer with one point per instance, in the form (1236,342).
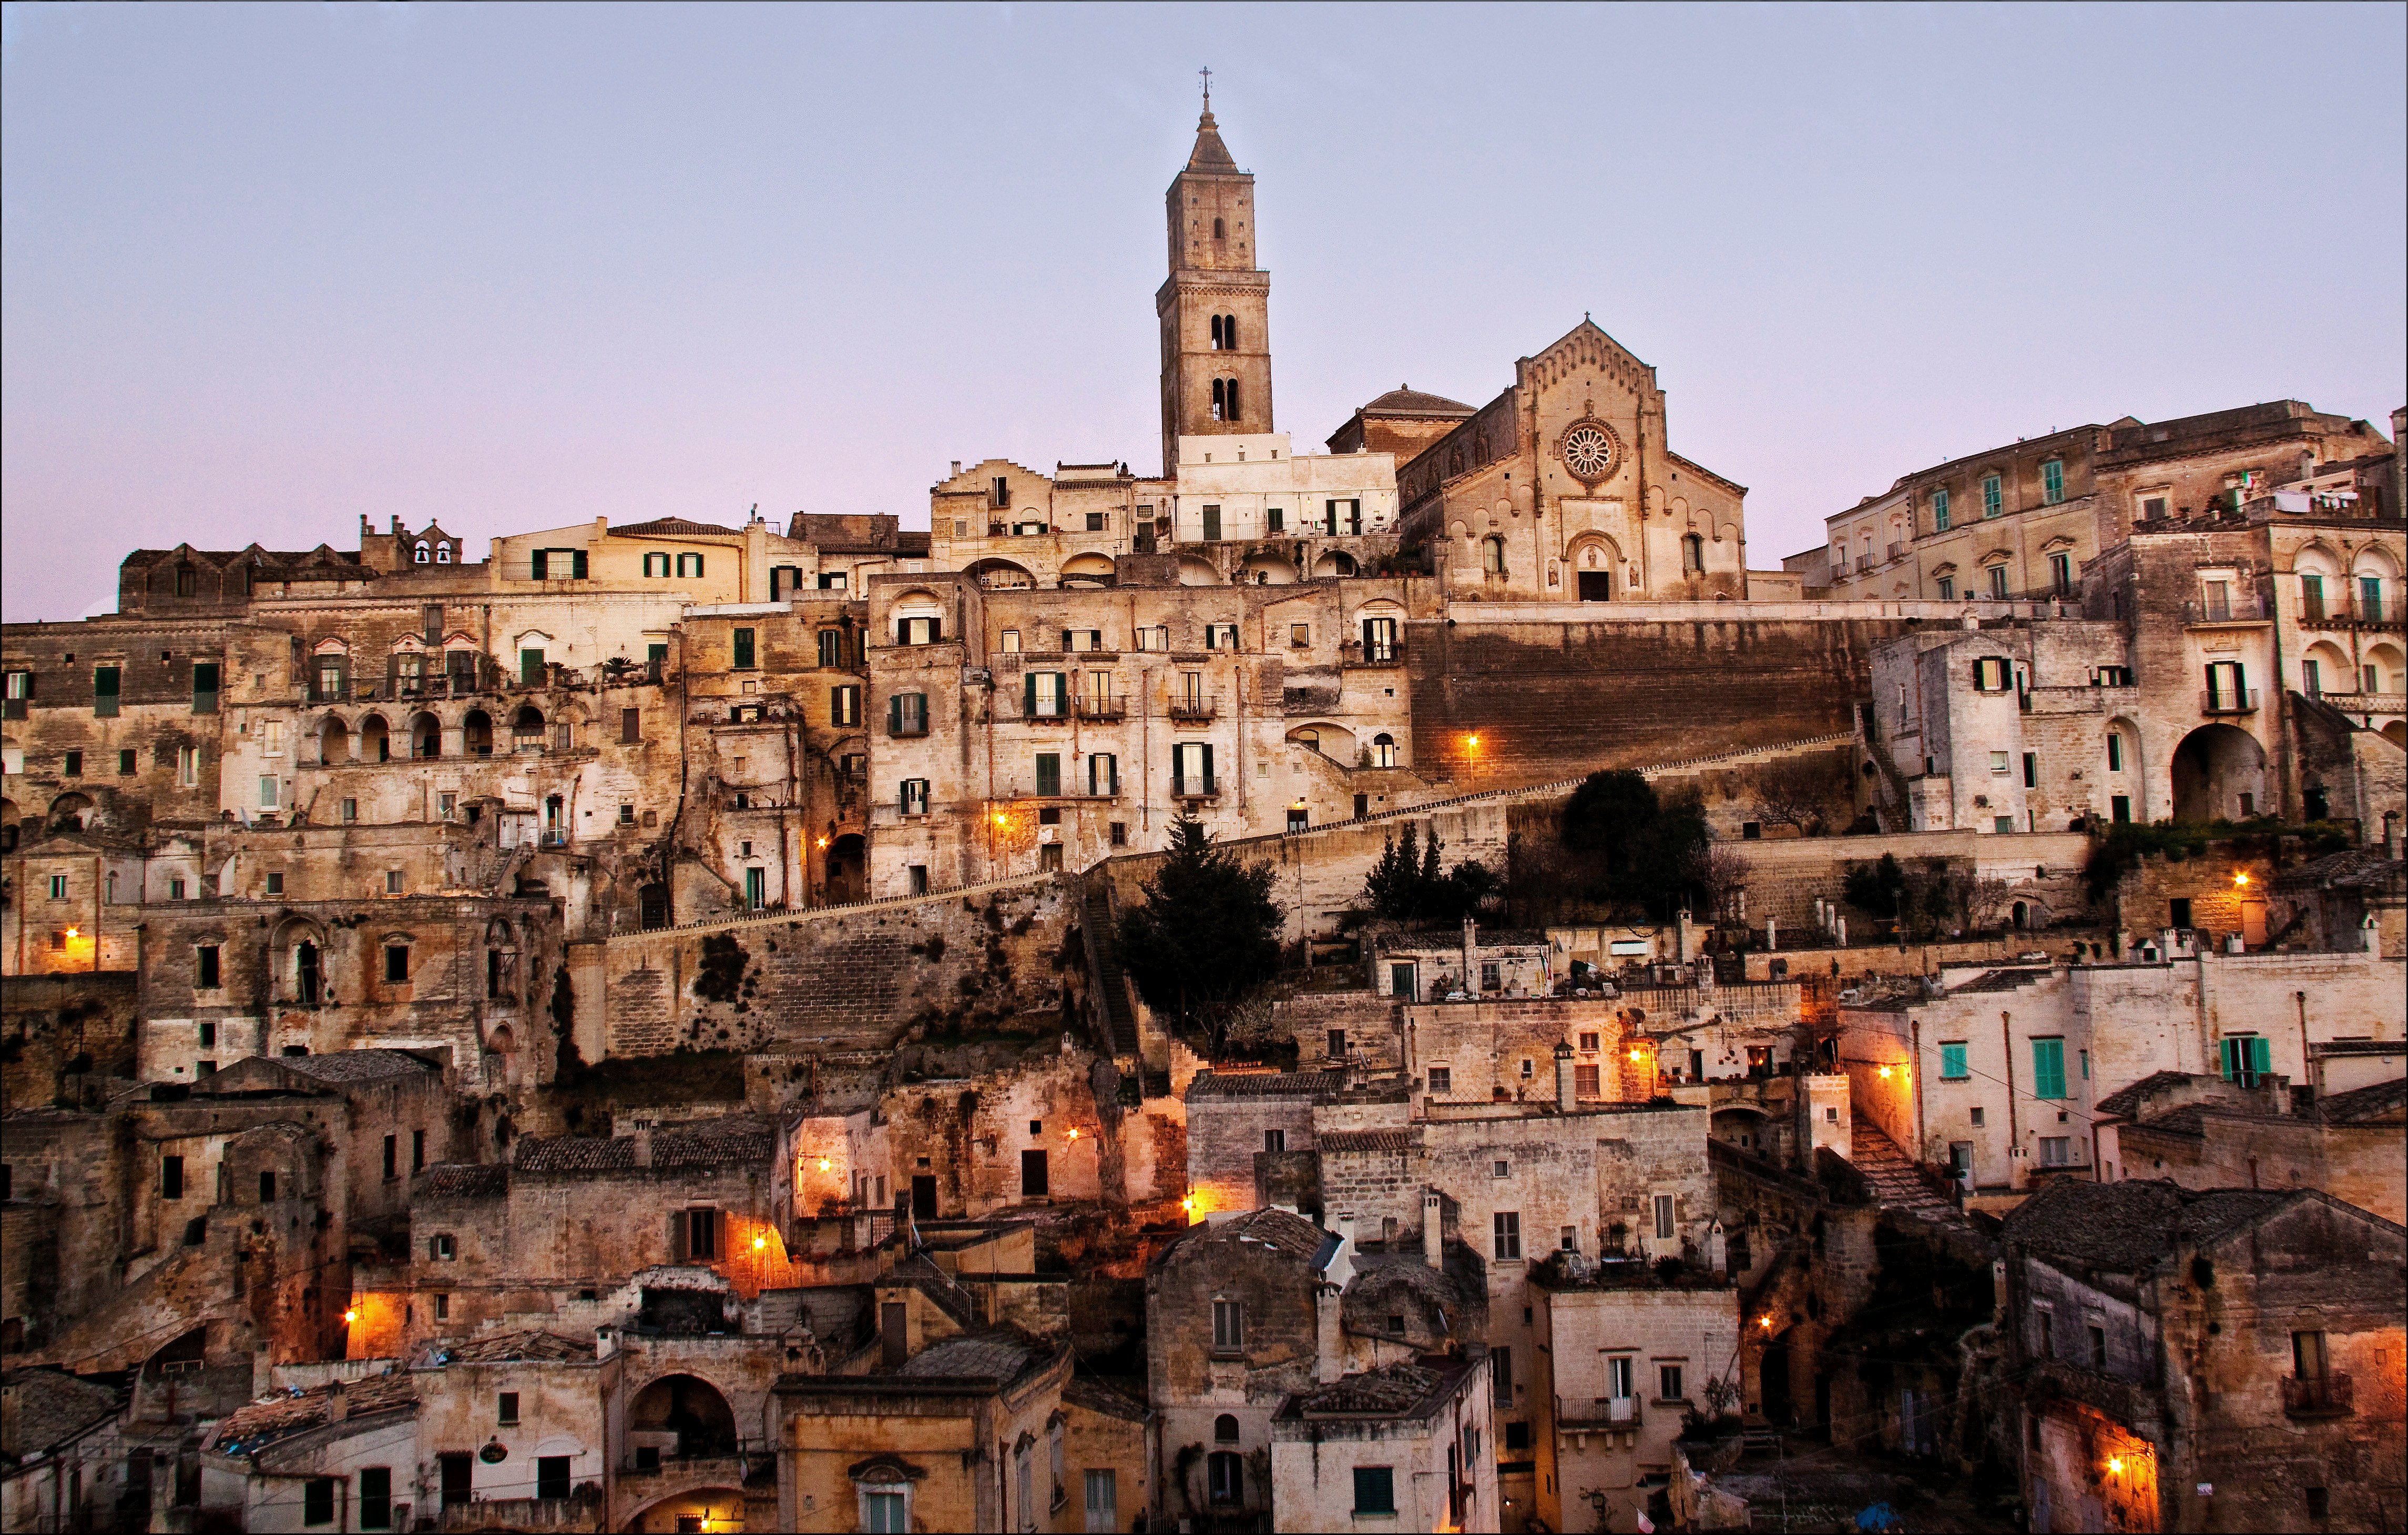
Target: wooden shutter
(2261,1055)
(538,564)
(677,1236)
(576,564)
(895,714)
(1206,750)
(1028,693)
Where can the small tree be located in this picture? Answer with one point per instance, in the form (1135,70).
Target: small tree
(1794,792)
(1207,933)
(1876,888)
(1638,851)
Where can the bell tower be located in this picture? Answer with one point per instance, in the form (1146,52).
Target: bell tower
(1215,306)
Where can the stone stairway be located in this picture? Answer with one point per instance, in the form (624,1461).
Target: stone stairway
(1895,1180)
(1109,983)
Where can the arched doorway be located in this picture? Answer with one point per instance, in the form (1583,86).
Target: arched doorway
(376,739)
(680,1418)
(848,861)
(527,729)
(2219,770)
(426,736)
(333,742)
(476,734)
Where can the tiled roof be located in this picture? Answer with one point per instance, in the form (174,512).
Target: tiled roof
(357,1066)
(1280,1230)
(1264,1084)
(2362,1104)
(1367,1141)
(2001,981)
(506,1347)
(989,1356)
(2131,1226)
(1096,1397)
(1388,1391)
(2128,1101)
(706,1143)
(2360,1047)
(463,1181)
(2358,869)
(285,1414)
(50,1406)
(1404,400)
(671,528)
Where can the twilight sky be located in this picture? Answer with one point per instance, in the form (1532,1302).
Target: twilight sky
(264,270)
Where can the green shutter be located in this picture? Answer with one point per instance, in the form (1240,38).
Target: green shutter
(894,715)
(2048,1068)
(2261,1055)
(1952,1061)
(538,564)
(576,564)
(1028,696)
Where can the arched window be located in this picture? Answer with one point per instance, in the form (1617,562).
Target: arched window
(1229,333)
(1693,555)
(443,553)
(421,552)
(1224,1429)
(1216,333)
(1234,412)
(1492,555)
(1384,750)
(1220,399)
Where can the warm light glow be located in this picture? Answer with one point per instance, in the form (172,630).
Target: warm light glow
(1765,1321)
(2241,879)
(351,1316)
(823,843)
(71,932)
(2115,1464)
(998,818)
(823,1164)
(1635,1056)
(1884,1071)
(1471,740)
(1074,1133)
(760,1245)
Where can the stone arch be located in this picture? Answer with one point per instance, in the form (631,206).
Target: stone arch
(426,734)
(2211,768)
(73,809)
(476,734)
(1334,741)
(848,862)
(11,828)
(1088,570)
(2323,668)
(993,573)
(2317,558)
(333,742)
(2374,560)
(376,739)
(2389,676)
(299,960)
(1196,570)
(526,728)
(1335,562)
(1266,569)
(683,1415)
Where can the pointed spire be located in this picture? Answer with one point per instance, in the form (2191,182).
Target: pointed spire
(1210,153)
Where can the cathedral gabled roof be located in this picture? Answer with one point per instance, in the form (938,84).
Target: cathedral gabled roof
(1210,153)
(1407,400)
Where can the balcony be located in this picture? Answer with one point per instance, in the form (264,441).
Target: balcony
(1194,706)
(1355,654)
(2317,1397)
(2349,611)
(1195,787)
(1103,706)
(1864,563)
(2366,703)
(2245,608)
(2238,701)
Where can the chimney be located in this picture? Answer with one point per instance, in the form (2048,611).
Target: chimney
(957,470)
(1433,1249)
(1329,1338)
(643,1139)
(1470,970)
(338,1402)
(1566,1098)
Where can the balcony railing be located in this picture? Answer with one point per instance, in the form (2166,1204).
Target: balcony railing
(1195,787)
(1355,653)
(2245,608)
(2238,701)
(1194,706)
(1049,710)
(1864,563)
(2335,611)
(2317,1397)
(2366,703)
(1103,706)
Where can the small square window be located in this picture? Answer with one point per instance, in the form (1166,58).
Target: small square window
(276,884)
(509,1408)
(393,882)
(1501,1169)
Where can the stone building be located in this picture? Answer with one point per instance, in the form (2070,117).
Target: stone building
(1999,1078)
(2208,1131)
(1410,1442)
(2205,1359)
(1215,307)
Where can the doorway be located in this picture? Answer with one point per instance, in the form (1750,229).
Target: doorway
(1596,586)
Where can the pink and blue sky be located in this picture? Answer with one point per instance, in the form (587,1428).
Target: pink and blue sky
(268,270)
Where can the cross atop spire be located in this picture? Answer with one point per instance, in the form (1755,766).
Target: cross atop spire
(1210,152)
(1207,73)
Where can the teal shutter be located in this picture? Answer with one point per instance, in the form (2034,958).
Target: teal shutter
(2048,1068)
(2261,1055)
(1952,1061)
(538,564)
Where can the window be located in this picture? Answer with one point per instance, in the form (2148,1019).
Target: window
(205,972)
(443,1313)
(71,765)
(171,1177)
(741,650)
(508,1414)
(1620,1377)
(392,882)
(1228,1477)
(188,767)
(2052,483)
(1994,495)
(2055,1151)
(1693,555)
(1999,763)
(276,884)
(1664,1211)
(19,694)
(2043,1332)
(1033,1182)
(2115,753)
(1947,588)
(1045,695)
(1952,1061)
(104,691)
(1274,1141)
(175,890)
(2060,573)
(1103,774)
(1010,642)
(2048,1068)
(125,762)
(2312,680)
(375,1497)
(844,705)
(267,1188)
(2369,598)
(913,798)
(1500,1170)
(1939,511)
(1500,1378)
(689,565)
(1998,574)
(58,887)
(2032,770)
(1669,1384)
(442,1248)
(552,1476)
(418,1151)
(699,1231)
(1228,1327)
(318,1501)
(1492,555)
(1508,1233)
(1191,768)
(1375,1490)
(885,1510)
(757,888)
(1586,1082)
(2247,1057)
(919,631)
(1491,977)
(906,714)
(391,1156)
(1212,513)
(1991,674)
(1103,1501)
(1275,520)
(396,962)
